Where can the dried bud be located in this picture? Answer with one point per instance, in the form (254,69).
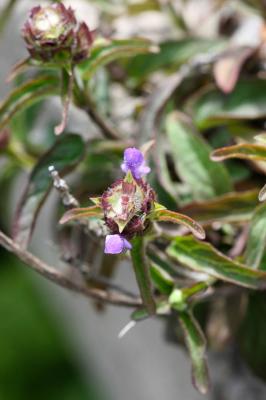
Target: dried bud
(52,31)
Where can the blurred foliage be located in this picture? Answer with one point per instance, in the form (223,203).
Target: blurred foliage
(35,358)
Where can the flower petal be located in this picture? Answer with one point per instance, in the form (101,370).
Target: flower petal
(134,162)
(116,244)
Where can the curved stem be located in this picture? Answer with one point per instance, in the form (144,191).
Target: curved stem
(85,103)
(68,281)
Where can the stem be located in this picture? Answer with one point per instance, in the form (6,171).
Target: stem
(141,268)
(85,103)
(68,281)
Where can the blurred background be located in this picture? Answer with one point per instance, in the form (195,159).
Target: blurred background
(53,344)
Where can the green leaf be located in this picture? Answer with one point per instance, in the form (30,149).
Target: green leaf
(64,156)
(247,101)
(231,207)
(172,54)
(104,51)
(252,333)
(245,151)
(256,238)
(192,159)
(203,257)
(27,94)
(196,345)
(176,218)
(141,268)
(155,105)
(78,213)
(161,279)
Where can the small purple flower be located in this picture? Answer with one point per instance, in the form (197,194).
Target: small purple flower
(116,244)
(134,161)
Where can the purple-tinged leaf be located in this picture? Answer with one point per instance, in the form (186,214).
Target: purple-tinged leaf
(104,51)
(18,68)
(244,151)
(203,257)
(79,213)
(232,207)
(196,345)
(27,94)
(246,102)
(177,218)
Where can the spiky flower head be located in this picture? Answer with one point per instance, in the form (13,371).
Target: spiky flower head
(52,31)
(127,203)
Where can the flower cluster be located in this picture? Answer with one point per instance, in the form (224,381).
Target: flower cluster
(127,203)
(52,32)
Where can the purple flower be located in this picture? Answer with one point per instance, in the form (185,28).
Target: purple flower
(115,244)
(134,162)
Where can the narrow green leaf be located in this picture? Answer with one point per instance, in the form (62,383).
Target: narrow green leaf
(104,51)
(141,268)
(202,257)
(245,151)
(251,335)
(247,101)
(78,213)
(196,345)
(231,207)
(64,156)
(172,54)
(176,218)
(256,238)
(192,159)
(27,94)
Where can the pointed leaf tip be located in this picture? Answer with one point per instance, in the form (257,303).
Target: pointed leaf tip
(78,213)
(177,218)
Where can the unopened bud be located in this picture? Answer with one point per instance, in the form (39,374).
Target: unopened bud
(52,31)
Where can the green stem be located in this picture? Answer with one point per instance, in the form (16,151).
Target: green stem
(196,288)
(141,268)
(84,102)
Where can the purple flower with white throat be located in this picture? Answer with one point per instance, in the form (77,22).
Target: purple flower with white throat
(134,161)
(116,244)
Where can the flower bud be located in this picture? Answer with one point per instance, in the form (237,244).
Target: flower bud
(83,42)
(53,31)
(49,30)
(126,204)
